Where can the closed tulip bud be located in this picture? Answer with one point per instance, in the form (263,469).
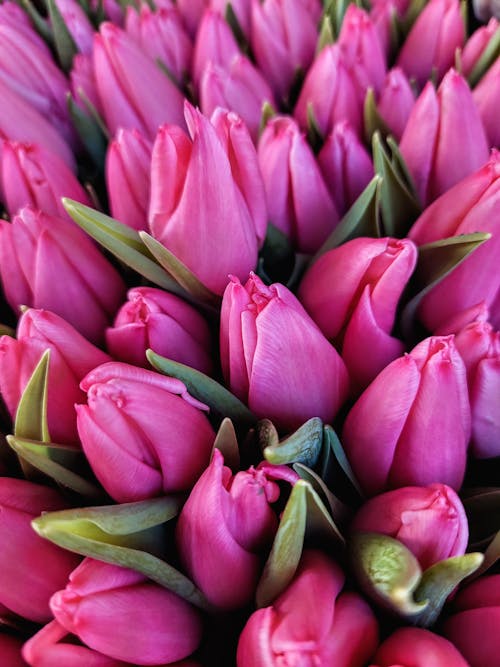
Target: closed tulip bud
(241,8)
(191,12)
(396,101)
(215,43)
(152,318)
(143,434)
(476,45)
(154,626)
(473,629)
(71,358)
(262,328)
(10,650)
(416,647)
(352,293)
(431,44)
(128,166)
(78,24)
(384,14)
(13,16)
(214,226)
(34,248)
(32,569)
(362,51)
(298,200)
(226,527)
(83,83)
(283,39)
(429,520)
(329,93)
(487,98)
(161,34)
(472,205)
(435,160)
(133,90)
(346,165)
(239,87)
(34,176)
(311,622)
(388,443)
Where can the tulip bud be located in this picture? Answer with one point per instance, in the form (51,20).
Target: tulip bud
(435,160)
(128,166)
(346,165)
(83,83)
(161,34)
(329,93)
(142,433)
(472,205)
(473,628)
(311,622)
(34,248)
(191,12)
(487,99)
(153,626)
(241,9)
(133,90)
(352,293)
(415,647)
(283,38)
(262,331)
(214,226)
(34,176)
(226,526)
(214,43)
(384,16)
(77,24)
(298,201)
(430,521)
(13,16)
(31,569)
(387,442)
(431,44)
(476,45)
(10,650)
(395,102)
(152,318)
(71,358)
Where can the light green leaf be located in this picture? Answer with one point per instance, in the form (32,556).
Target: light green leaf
(227,443)
(31,416)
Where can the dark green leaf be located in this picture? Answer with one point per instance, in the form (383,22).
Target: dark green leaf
(64,42)
(89,132)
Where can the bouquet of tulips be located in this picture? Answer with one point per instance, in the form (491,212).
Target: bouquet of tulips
(250,339)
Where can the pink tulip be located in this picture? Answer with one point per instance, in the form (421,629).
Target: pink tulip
(429,520)
(384,15)
(415,647)
(213,225)
(226,526)
(143,434)
(13,16)
(191,12)
(83,83)
(298,201)
(388,443)
(161,34)
(311,622)
(473,205)
(275,358)
(476,45)
(474,627)
(128,166)
(435,159)
(283,38)
(34,176)
(477,313)
(241,8)
(215,43)
(396,101)
(47,262)
(362,51)
(238,86)
(329,93)
(78,24)
(352,293)
(153,626)
(431,44)
(71,358)
(133,90)
(487,99)
(346,165)
(10,650)
(152,318)
(32,569)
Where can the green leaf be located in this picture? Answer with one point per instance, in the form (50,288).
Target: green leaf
(304,516)
(123,535)
(412,13)
(236,28)
(41,25)
(486,60)
(206,390)
(89,132)
(439,580)
(179,271)
(5,330)
(268,112)
(491,556)
(44,458)
(326,33)
(340,512)
(314,133)
(372,119)
(435,262)
(227,443)
(362,219)
(31,416)
(122,241)
(332,443)
(64,42)
(387,572)
(302,446)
